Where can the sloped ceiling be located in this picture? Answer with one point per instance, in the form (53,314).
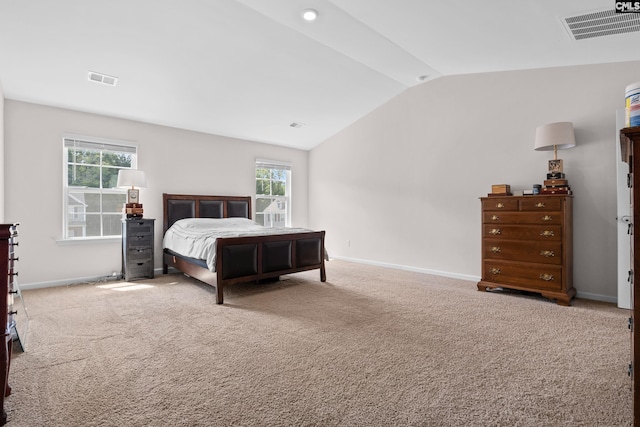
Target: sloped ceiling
(252,68)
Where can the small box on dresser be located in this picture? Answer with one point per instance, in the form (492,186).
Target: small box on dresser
(527,244)
(137,248)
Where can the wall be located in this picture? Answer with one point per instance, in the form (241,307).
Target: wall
(401,185)
(175,161)
(1,154)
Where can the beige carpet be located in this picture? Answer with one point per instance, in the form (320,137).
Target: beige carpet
(370,347)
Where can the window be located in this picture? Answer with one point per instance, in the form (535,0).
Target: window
(92,202)
(273,193)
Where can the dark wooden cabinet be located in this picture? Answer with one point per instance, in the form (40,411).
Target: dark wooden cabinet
(137,248)
(8,242)
(527,244)
(630,149)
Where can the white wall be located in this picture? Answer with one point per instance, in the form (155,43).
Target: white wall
(1,154)
(175,161)
(402,184)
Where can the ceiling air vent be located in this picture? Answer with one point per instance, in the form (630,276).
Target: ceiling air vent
(102,78)
(601,23)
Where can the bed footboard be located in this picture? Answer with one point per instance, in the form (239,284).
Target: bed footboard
(247,259)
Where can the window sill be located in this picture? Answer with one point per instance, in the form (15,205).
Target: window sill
(89,240)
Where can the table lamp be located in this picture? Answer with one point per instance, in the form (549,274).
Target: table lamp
(132,178)
(555,136)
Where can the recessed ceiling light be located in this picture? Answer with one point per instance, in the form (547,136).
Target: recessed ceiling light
(309,15)
(422,77)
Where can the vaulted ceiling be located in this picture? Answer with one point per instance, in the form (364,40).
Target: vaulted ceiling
(254,69)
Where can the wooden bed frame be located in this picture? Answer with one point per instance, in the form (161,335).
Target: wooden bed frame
(240,259)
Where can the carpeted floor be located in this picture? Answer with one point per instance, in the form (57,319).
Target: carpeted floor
(370,347)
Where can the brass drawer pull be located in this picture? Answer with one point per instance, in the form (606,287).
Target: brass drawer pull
(540,205)
(546,277)
(547,218)
(494,270)
(495,231)
(547,254)
(495,217)
(499,205)
(547,233)
(496,249)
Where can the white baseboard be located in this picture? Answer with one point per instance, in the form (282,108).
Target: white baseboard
(468,277)
(583,295)
(77,281)
(471,278)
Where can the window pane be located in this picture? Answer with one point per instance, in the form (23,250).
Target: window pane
(84,176)
(116,159)
(83,156)
(262,203)
(263,187)
(263,173)
(92,202)
(93,225)
(109,177)
(278,188)
(112,225)
(112,203)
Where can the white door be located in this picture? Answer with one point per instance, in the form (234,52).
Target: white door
(623,219)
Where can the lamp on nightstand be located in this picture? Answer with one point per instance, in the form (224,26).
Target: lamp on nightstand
(130,179)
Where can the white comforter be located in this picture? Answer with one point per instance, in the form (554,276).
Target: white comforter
(196,237)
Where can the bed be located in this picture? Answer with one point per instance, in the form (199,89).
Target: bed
(237,259)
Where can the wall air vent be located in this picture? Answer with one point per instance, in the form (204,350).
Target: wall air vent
(601,23)
(102,78)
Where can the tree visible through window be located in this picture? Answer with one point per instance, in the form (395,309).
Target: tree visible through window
(273,189)
(92,202)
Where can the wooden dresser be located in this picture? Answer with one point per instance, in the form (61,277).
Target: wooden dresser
(527,244)
(630,149)
(8,241)
(137,248)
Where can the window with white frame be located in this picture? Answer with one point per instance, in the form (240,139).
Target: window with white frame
(273,193)
(92,202)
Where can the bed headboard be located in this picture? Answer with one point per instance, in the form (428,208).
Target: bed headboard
(179,206)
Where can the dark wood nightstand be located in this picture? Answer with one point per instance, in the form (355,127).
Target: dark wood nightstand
(137,248)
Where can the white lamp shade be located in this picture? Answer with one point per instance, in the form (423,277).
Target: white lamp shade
(555,136)
(129,178)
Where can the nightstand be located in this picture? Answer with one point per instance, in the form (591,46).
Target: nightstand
(137,248)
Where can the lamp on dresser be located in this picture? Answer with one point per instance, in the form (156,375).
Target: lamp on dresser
(555,136)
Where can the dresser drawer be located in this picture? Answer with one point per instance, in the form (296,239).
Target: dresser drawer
(541,204)
(533,276)
(141,269)
(500,204)
(522,218)
(139,227)
(139,241)
(523,232)
(139,255)
(528,251)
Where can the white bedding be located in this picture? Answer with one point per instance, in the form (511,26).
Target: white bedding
(196,237)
